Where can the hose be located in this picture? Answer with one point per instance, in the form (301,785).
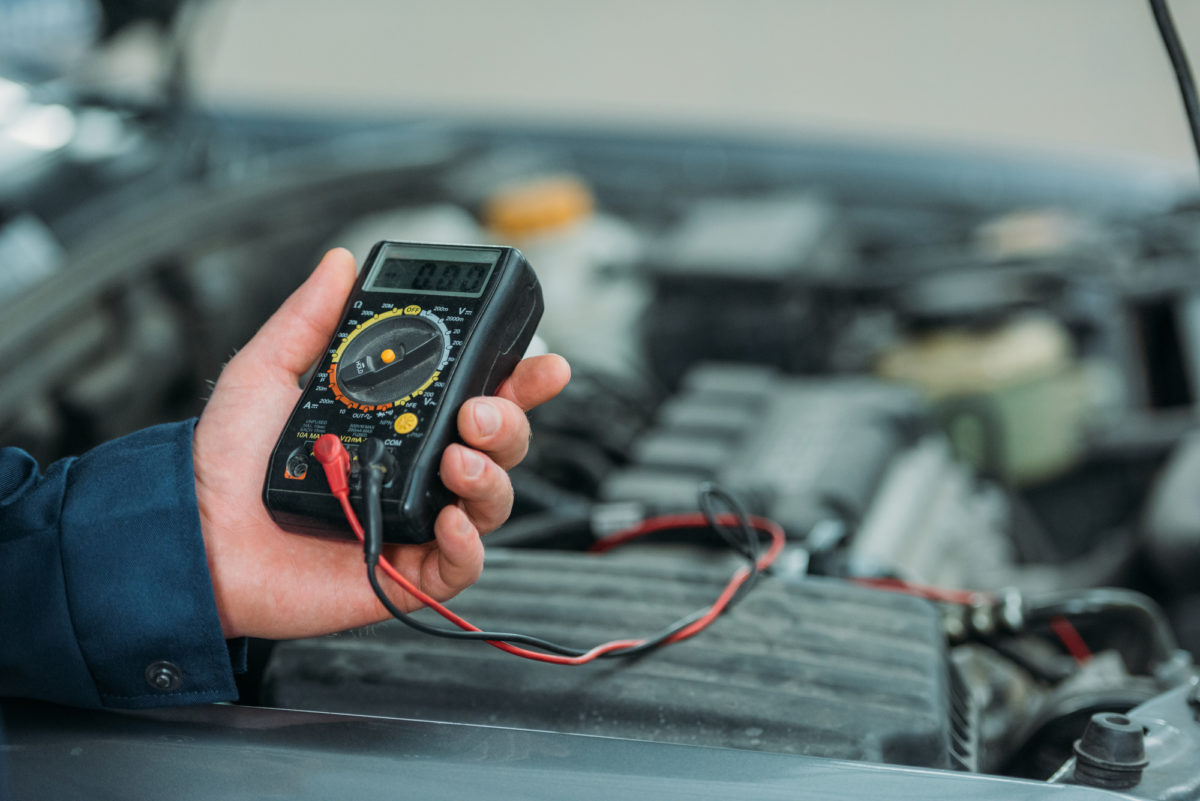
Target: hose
(1141,611)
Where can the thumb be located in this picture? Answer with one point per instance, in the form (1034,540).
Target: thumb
(297,333)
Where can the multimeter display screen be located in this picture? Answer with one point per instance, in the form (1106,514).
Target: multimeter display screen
(433,271)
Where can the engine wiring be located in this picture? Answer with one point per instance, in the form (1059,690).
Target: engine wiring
(1179,63)
(736,527)
(957,597)
(741,531)
(1059,624)
(1071,639)
(1139,614)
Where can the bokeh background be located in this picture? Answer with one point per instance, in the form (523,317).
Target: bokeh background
(1082,76)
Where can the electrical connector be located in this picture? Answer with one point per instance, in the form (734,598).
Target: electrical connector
(373,454)
(335,460)
(379,468)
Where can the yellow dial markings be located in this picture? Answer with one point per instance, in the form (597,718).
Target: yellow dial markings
(337,356)
(421,389)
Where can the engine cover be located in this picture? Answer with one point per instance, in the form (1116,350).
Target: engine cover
(816,667)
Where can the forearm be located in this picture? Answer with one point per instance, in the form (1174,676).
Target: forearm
(103,575)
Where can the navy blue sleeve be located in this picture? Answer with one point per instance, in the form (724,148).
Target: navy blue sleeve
(105,597)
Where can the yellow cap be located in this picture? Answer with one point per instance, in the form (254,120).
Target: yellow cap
(405,423)
(539,205)
(388,356)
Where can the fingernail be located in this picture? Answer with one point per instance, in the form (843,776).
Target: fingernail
(473,463)
(487,417)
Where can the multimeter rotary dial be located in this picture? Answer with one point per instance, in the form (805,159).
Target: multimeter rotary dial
(387,358)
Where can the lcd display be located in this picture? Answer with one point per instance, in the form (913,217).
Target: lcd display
(436,271)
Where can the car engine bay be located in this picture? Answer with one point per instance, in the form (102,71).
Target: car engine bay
(965,385)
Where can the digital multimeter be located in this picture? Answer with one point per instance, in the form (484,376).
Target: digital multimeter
(425,328)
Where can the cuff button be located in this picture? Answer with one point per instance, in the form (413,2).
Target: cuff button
(164,676)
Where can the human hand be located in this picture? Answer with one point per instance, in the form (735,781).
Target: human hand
(270,583)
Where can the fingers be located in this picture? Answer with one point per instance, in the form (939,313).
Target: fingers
(482,487)
(497,427)
(535,381)
(297,333)
(457,561)
(498,435)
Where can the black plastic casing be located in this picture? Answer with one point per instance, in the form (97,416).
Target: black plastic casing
(489,336)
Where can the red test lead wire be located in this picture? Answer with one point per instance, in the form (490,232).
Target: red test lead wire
(941,594)
(332,455)
(1063,628)
(1076,646)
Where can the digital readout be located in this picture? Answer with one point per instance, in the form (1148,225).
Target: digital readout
(432,276)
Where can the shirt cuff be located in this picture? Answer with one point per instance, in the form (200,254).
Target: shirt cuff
(136,577)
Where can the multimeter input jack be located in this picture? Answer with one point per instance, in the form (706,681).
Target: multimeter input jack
(297,464)
(373,453)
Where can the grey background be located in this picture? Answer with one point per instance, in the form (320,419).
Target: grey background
(1084,76)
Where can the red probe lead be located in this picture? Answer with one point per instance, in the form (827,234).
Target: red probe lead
(333,457)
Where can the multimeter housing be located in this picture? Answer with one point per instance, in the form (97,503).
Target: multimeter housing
(426,327)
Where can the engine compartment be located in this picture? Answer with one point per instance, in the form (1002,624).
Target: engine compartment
(963,385)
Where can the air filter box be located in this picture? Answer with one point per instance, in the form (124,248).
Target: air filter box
(817,667)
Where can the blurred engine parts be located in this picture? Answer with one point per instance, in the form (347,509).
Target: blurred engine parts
(583,258)
(1008,394)
(747,280)
(1150,752)
(848,461)
(1171,529)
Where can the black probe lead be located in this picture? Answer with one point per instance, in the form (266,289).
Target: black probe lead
(373,482)
(373,544)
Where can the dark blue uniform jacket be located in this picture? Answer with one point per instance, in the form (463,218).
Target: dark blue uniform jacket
(105,597)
